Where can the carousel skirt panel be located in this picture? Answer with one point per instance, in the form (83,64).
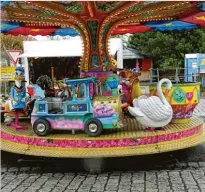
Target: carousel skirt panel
(130,140)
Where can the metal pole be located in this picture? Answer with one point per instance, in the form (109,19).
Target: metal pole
(4,88)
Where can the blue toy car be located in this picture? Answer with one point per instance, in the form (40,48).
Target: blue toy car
(74,110)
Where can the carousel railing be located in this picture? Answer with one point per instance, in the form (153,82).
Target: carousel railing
(177,75)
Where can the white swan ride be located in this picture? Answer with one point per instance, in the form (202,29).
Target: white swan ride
(153,112)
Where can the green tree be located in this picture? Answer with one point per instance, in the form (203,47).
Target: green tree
(10,42)
(167,49)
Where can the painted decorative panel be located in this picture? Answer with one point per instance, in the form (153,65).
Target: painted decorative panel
(93,27)
(77,107)
(94,61)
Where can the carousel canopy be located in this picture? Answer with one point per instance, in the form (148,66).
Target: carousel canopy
(66,17)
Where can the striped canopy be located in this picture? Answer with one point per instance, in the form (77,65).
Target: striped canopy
(41,18)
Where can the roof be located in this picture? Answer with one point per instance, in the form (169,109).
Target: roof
(80,80)
(129,53)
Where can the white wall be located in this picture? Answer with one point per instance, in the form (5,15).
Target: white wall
(64,48)
(67,48)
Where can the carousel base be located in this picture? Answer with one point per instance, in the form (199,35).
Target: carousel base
(131,140)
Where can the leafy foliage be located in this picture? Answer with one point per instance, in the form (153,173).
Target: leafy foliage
(13,42)
(168,48)
(10,42)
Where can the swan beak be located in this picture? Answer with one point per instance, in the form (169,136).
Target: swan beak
(166,91)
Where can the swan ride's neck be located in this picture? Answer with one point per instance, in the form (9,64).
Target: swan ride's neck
(159,90)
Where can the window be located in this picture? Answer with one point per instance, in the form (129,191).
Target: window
(41,108)
(80,91)
(93,89)
(54,105)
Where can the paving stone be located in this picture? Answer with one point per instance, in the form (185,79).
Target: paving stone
(20,189)
(201,181)
(3,170)
(81,190)
(13,169)
(151,187)
(109,191)
(193,164)
(137,189)
(24,169)
(36,169)
(138,181)
(201,164)
(179,188)
(180,180)
(194,190)
(123,190)
(151,190)
(182,164)
(202,186)
(192,187)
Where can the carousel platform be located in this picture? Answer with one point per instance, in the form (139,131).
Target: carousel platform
(131,140)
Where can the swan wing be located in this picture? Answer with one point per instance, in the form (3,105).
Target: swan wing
(136,112)
(135,101)
(154,109)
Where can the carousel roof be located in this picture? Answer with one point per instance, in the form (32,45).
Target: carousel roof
(62,17)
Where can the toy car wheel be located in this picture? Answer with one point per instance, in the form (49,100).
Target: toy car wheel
(93,127)
(41,127)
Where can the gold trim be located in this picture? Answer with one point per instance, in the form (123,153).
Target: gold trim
(104,152)
(180,121)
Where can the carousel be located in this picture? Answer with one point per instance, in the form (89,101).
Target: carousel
(103,113)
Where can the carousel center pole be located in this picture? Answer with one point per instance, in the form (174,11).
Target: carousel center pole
(100,63)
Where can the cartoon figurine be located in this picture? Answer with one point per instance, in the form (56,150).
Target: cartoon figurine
(129,87)
(18,97)
(39,93)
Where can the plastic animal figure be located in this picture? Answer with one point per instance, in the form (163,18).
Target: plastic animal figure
(44,82)
(39,93)
(130,88)
(18,97)
(153,112)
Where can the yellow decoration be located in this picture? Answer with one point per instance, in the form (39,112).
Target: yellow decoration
(35,30)
(180,121)
(7,73)
(200,18)
(203,62)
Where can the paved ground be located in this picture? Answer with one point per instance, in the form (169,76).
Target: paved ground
(179,171)
(176,171)
(177,180)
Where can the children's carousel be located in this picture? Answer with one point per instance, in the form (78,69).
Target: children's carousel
(102,113)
